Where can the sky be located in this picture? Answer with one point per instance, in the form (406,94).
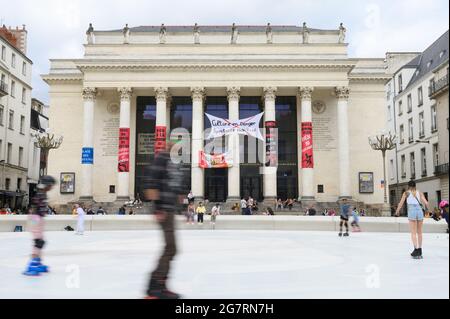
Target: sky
(56,28)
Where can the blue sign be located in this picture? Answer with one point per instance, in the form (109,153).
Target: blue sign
(87,155)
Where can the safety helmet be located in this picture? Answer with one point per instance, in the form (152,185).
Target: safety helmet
(443,204)
(47,180)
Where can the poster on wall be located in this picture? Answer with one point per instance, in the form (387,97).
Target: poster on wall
(87,155)
(307,145)
(366,185)
(271,144)
(67,183)
(222,127)
(124,150)
(160,139)
(146,143)
(215,160)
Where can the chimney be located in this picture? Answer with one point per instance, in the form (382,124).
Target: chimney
(21,38)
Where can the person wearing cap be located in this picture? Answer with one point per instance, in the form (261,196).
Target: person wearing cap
(39,209)
(443,205)
(163,187)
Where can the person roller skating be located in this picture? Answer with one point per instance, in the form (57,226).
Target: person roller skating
(39,209)
(345,213)
(355,221)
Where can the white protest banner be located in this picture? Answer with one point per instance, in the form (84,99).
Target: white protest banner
(248,126)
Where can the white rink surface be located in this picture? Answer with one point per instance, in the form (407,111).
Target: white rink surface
(230,264)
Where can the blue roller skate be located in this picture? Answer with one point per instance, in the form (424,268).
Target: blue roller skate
(33,268)
(41,267)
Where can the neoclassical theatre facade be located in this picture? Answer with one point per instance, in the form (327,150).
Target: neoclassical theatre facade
(116,106)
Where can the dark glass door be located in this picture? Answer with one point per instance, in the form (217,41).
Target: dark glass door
(216,185)
(252,186)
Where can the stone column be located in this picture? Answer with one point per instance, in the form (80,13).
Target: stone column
(307,158)
(197,173)
(234,173)
(270,171)
(342,94)
(162,96)
(123,178)
(89,96)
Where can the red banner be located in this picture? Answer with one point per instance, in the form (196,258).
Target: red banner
(307,145)
(160,139)
(271,144)
(124,150)
(215,160)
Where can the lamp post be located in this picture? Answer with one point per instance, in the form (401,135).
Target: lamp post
(383,142)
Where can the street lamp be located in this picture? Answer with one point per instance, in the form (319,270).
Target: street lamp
(46,142)
(383,142)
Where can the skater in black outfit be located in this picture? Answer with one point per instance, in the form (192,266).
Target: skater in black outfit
(164,188)
(345,215)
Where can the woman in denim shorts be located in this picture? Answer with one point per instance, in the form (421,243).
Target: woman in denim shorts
(414,200)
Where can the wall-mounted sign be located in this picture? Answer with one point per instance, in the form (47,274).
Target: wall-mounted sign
(146,143)
(215,160)
(67,183)
(307,145)
(124,150)
(160,139)
(248,126)
(271,144)
(87,155)
(366,185)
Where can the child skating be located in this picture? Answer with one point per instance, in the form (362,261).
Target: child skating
(345,213)
(201,210)
(215,211)
(39,210)
(355,221)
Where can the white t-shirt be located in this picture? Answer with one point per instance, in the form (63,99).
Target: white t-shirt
(80,211)
(243,204)
(411,200)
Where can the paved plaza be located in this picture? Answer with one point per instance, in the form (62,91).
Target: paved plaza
(230,264)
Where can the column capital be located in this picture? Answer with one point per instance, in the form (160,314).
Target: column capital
(234,93)
(270,93)
(305,92)
(89,94)
(125,93)
(198,93)
(342,92)
(162,93)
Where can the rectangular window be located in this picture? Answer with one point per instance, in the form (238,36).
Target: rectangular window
(403,166)
(24,68)
(9,153)
(400,83)
(24,95)
(3,53)
(389,113)
(421,125)
(2,111)
(22,124)
(13,60)
(409,103)
(423,160)
(11,120)
(436,154)
(420,96)
(400,108)
(402,134)
(411,130)
(433,119)
(21,156)
(13,89)
(1,148)
(320,189)
(19,184)
(412,163)
(7,184)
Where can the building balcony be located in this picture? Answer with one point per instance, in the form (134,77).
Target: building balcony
(441,169)
(3,89)
(439,87)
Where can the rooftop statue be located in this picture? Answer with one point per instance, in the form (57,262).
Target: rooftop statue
(196,34)
(162,34)
(126,34)
(305,33)
(90,34)
(269,34)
